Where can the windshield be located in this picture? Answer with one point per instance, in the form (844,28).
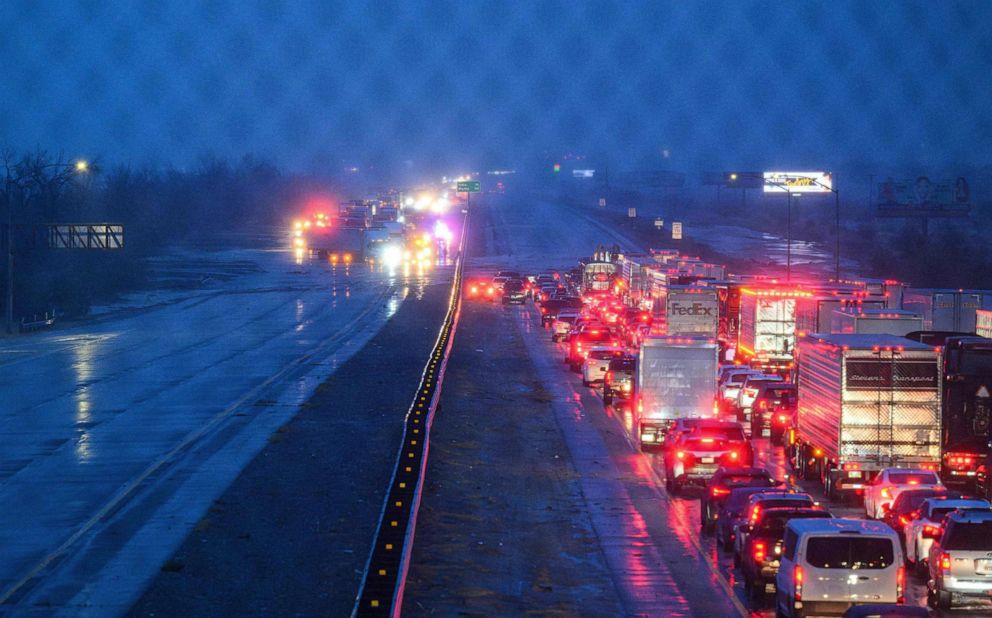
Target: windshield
(733,434)
(846,552)
(774,525)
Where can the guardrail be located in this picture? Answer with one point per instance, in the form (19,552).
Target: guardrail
(384,578)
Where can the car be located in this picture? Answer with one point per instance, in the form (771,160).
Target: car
(549,309)
(763,548)
(619,380)
(899,514)
(597,363)
(695,457)
(563,323)
(960,561)
(729,383)
(926,524)
(719,486)
(480,289)
(757,503)
(513,292)
(747,394)
(732,513)
(773,410)
(580,342)
(678,427)
(503,276)
(890,482)
(828,565)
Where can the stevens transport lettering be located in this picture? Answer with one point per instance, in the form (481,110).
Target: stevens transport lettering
(902,374)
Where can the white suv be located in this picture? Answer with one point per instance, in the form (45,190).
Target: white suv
(829,565)
(890,482)
(926,522)
(597,362)
(961,559)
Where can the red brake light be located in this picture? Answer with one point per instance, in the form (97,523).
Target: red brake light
(851,466)
(762,404)
(900,585)
(945,562)
(680,454)
(887,493)
(755,513)
(903,520)
(759,551)
(734,455)
(719,491)
(782,418)
(797,578)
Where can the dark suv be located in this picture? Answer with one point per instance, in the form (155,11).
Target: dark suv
(720,486)
(773,410)
(619,380)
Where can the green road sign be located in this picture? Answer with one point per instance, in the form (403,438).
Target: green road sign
(469,186)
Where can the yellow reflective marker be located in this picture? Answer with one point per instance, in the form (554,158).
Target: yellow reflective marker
(413,442)
(402,485)
(374,603)
(408,468)
(399,503)
(389,547)
(394,523)
(382,571)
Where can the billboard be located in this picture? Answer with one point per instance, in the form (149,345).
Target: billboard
(798,182)
(583,173)
(923,197)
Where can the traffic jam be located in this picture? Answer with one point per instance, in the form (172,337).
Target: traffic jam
(834,433)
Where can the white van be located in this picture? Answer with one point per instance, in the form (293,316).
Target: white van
(828,565)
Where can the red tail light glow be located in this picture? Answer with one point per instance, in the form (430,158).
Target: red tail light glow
(945,562)
(759,552)
(887,493)
(851,466)
(680,455)
(797,579)
(901,585)
(719,491)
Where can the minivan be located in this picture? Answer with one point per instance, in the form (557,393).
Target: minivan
(828,565)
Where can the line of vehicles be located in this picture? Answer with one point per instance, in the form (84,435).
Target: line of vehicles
(841,375)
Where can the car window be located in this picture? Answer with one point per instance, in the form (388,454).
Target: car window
(602,354)
(732,480)
(913,478)
(779,502)
(789,546)
(774,526)
(976,536)
(735,434)
(845,552)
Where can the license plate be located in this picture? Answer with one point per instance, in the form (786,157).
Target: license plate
(856,474)
(706,460)
(984,567)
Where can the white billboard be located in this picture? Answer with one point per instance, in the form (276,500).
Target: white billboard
(583,173)
(798,182)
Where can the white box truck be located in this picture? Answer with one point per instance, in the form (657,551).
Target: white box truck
(691,310)
(865,402)
(676,378)
(768,328)
(876,321)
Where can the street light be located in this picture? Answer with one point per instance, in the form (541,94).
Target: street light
(788,247)
(81,166)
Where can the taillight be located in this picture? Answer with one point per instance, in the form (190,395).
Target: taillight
(608,378)
(755,513)
(680,455)
(782,418)
(759,552)
(473,290)
(945,562)
(901,585)
(718,491)
(904,520)
(851,466)
(931,532)
(797,578)
(762,404)
(887,493)
(734,455)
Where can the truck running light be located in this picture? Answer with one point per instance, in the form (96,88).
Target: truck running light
(755,513)
(719,491)
(797,578)
(851,466)
(901,585)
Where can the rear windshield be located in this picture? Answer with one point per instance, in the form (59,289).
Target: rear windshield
(733,480)
(564,317)
(796,502)
(513,286)
(970,536)
(596,334)
(785,394)
(845,552)
(705,444)
(622,364)
(774,526)
(734,434)
(913,478)
(603,354)
(738,378)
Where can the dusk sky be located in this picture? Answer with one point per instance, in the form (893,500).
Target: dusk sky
(312,84)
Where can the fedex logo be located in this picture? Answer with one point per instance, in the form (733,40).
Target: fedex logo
(693,309)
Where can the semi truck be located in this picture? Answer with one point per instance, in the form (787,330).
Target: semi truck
(597,276)
(691,310)
(676,378)
(966,405)
(876,321)
(338,243)
(947,310)
(865,402)
(768,328)
(815,314)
